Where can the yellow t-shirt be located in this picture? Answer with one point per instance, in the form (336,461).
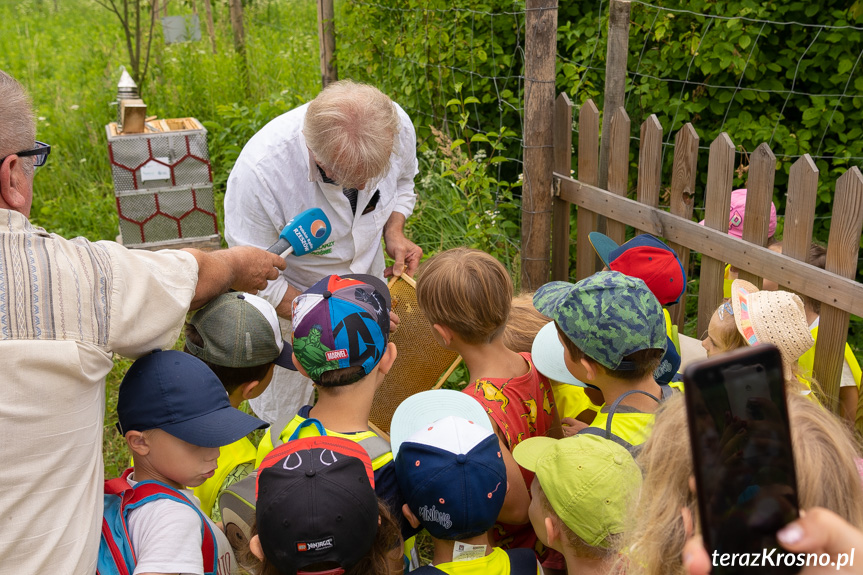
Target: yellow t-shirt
(495,563)
(571,400)
(632,426)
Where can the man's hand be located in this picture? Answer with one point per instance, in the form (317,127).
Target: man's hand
(405,253)
(394,322)
(243,268)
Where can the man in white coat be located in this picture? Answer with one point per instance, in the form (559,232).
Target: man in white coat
(351,152)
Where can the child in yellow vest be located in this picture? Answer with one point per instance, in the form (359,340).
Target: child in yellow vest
(340,341)
(609,333)
(583,494)
(237,336)
(450,467)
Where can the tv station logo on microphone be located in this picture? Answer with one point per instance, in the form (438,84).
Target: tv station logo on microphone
(318,228)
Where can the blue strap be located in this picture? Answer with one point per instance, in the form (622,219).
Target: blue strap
(306,423)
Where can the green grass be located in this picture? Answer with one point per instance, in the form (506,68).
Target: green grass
(69,60)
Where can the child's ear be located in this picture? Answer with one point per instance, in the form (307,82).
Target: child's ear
(412,519)
(589,367)
(389,357)
(551,532)
(137,443)
(299,366)
(444,333)
(255,547)
(247,390)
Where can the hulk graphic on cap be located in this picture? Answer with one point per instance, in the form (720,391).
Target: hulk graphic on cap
(312,353)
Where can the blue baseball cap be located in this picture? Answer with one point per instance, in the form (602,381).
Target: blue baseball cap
(177,393)
(453,478)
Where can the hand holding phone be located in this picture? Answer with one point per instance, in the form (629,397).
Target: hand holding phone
(744,465)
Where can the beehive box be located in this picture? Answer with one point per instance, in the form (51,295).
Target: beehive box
(163,185)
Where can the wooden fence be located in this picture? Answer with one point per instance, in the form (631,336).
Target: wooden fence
(834,287)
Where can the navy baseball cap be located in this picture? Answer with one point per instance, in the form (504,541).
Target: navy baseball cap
(316,504)
(452,476)
(177,393)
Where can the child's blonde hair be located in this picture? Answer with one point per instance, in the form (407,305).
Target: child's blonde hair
(468,291)
(523,324)
(825,460)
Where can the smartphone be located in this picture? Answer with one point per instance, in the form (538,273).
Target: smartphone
(744,465)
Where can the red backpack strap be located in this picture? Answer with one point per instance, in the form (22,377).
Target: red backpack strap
(156,490)
(118,485)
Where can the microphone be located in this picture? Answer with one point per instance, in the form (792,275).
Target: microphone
(306,232)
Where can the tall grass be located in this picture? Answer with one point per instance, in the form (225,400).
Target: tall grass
(69,60)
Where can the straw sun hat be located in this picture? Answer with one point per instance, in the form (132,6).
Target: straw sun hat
(775,317)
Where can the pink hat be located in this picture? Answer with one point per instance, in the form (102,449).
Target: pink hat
(735,216)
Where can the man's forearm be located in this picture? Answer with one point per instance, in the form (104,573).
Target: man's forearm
(243,268)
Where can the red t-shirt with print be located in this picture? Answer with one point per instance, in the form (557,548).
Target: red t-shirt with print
(522,408)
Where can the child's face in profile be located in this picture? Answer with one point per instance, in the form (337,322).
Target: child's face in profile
(180,463)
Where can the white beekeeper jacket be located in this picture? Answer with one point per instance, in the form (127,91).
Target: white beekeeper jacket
(274,179)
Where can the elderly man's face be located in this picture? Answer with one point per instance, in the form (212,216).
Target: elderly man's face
(329,171)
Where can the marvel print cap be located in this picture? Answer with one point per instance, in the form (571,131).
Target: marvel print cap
(341,322)
(316,503)
(453,478)
(645,257)
(608,316)
(239,330)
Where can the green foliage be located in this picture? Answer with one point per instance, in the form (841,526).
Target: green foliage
(461,202)
(69,61)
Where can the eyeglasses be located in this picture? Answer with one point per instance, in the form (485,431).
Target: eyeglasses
(39,154)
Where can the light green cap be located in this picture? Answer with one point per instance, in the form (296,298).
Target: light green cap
(590,482)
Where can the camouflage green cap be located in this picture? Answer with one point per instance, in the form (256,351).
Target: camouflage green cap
(608,316)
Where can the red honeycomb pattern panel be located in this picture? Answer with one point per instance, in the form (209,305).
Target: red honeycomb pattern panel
(131,149)
(167,215)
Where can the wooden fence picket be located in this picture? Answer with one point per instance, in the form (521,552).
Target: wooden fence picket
(650,163)
(682,197)
(843,248)
(717,200)
(618,168)
(588,172)
(759,196)
(800,208)
(561,208)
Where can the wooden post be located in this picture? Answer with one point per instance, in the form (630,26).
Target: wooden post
(650,163)
(240,43)
(618,167)
(717,201)
(759,196)
(682,196)
(843,247)
(539,71)
(211,30)
(561,208)
(615,83)
(327,41)
(588,172)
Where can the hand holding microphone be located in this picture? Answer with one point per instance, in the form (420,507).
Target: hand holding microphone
(306,232)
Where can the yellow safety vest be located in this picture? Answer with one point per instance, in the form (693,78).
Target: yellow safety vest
(807,360)
(266,445)
(230,457)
